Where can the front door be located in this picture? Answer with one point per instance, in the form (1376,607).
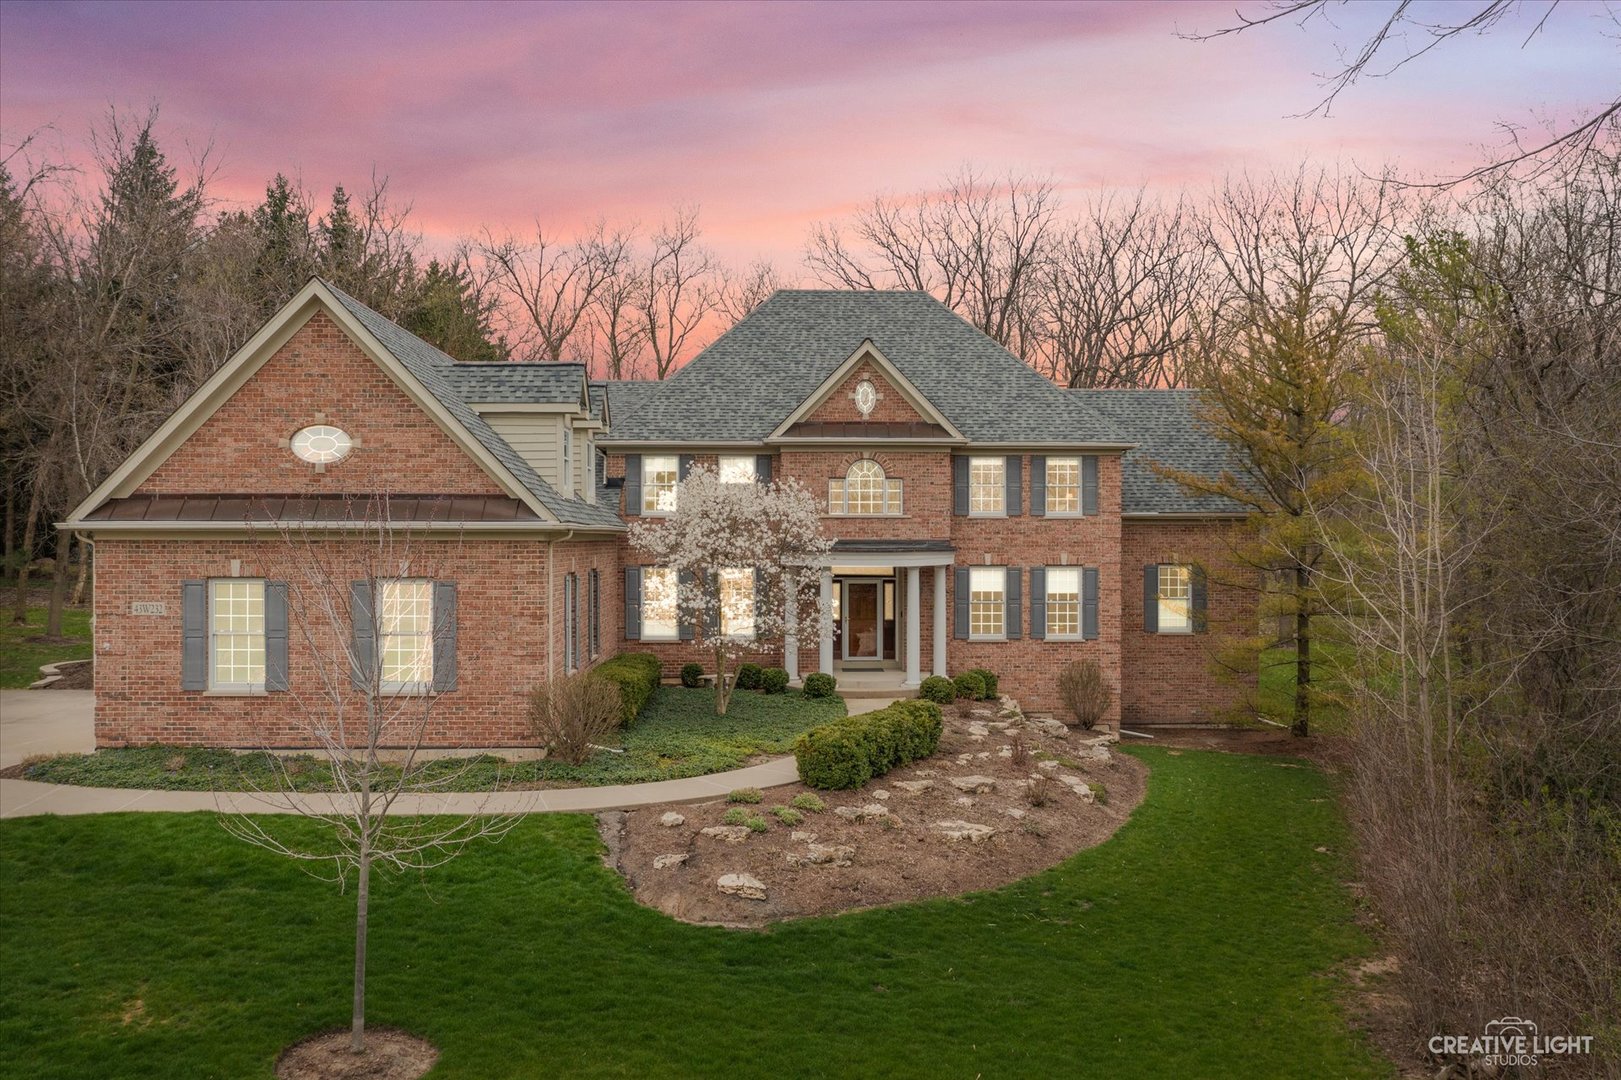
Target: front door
(862,629)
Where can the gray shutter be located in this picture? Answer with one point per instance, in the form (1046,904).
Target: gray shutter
(1089,603)
(1151,598)
(1013,473)
(1013,603)
(633,603)
(762,468)
(1038,489)
(633,485)
(683,467)
(444,636)
(1089,484)
(194,635)
(568,623)
(684,628)
(760,599)
(596,613)
(275,635)
(959,486)
(1201,617)
(1038,601)
(363,637)
(960,602)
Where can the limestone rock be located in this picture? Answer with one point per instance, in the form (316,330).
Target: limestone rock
(862,813)
(978,730)
(1048,766)
(1078,786)
(661,862)
(914,787)
(747,886)
(881,795)
(732,834)
(671,819)
(964,800)
(801,836)
(1013,812)
(964,830)
(975,785)
(829,855)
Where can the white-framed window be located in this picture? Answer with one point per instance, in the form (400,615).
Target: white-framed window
(864,492)
(236,634)
(405,634)
(987,602)
(1063,602)
(660,611)
(737,469)
(1063,486)
(737,602)
(1175,599)
(987,486)
(661,475)
(568,459)
(321,444)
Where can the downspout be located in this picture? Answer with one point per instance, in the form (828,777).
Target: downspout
(551,577)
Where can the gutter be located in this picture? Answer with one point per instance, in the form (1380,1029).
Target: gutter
(232,527)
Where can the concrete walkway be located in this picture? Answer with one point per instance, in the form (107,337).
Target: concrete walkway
(59,722)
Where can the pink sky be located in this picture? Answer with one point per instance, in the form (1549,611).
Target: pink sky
(768,117)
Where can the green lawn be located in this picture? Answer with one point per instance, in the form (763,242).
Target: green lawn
(1199,942)
(676,735)
(1276,686)
(20,659)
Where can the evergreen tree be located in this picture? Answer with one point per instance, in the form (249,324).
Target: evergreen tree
(448,314)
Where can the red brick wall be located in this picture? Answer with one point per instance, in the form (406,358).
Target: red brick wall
(502,607)
(319,371)
(1170,677)
(840,406)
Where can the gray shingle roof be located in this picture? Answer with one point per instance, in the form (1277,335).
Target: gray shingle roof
(746,383)
(530,384)
(1167,430)
(436,371)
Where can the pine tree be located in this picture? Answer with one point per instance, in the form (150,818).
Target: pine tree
(448,314)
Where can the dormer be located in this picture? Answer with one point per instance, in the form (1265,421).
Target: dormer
(545,412)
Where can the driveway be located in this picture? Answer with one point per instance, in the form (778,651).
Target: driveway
(45,722)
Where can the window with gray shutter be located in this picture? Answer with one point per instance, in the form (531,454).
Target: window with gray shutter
(762,468)
(1089,484)
(633,485)
(596,614)
(444,636)
(1089,603)
(275,636)
(1015,485)
(633,603)
(1038,489)
(685,630)
(1014,602)
(960,600)
(683,467)
(1038,592)
(1151,598)
(959,486)
(1200,605)
(194,635)
(363,635)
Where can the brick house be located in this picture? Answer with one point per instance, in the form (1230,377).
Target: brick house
(982,516)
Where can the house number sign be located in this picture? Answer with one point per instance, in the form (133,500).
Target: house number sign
(148,607)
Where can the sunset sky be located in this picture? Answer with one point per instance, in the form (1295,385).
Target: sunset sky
(768,117)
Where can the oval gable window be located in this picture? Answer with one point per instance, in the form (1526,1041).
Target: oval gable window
(322,444)
(866,397)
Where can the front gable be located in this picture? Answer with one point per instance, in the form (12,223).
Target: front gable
(867,397)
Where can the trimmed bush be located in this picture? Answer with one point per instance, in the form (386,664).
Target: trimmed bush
(938,689)
(970,686)
(820,685)
(748,676)
(849,752)
(692,676)
(989,678)
(735,816)
(788,815)
(774,680)
(636,675)
(808,802)
(744,795)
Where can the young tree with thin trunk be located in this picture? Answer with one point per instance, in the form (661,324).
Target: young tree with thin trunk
(739,557)
(677,289)
(369,638)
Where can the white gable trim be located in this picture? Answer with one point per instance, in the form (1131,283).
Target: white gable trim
(246,361)
(864,352)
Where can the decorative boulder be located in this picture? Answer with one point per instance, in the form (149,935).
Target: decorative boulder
(747,886)
(661,862)
(732,834)
(964,830)
(914,787)
(976,785)
(671,819)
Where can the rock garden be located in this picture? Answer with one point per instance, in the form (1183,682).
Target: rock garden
(1003,796)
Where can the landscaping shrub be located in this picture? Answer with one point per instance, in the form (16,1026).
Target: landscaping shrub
(969,685)
(849,752)
(774,680)
(636,675)
(820,684)
(748,676)
(571,713)
(735,816)
(938,689)
(788,815)
(692,676)
(808,802)
(756,823)
(989,679)
(744,795)
(1084,694)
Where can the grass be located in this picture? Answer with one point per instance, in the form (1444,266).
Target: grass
(20,659)
(1276,686)
(1198,942)
(677,735)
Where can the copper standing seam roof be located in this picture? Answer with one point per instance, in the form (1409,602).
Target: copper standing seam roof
(237,509)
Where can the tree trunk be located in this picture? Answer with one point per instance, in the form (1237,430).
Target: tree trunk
(19,611)
(86,553)
(59,584)
(1300,727)
(723,692)
(357,1020)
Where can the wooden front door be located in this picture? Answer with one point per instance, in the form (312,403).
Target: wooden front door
(862,627)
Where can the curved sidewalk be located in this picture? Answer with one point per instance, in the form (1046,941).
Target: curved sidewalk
(27,798)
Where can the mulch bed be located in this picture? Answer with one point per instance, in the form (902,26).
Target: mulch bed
(76,675)
(900,852)
(391,1054)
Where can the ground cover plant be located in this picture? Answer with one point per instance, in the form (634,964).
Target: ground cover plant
(154,944)
(677,734)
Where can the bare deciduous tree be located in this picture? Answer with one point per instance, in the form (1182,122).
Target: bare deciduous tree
(677,288)
(555,286)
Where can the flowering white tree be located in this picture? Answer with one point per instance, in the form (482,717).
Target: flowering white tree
(740,558)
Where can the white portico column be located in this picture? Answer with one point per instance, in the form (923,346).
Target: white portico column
(914,628)
(825,657)
(940,573)
(790,634)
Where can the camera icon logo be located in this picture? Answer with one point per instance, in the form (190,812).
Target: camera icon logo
(1512,1028)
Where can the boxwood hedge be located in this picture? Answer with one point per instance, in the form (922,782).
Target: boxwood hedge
(636,675)
(848,752)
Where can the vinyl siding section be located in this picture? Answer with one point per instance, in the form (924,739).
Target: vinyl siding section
(538,439)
